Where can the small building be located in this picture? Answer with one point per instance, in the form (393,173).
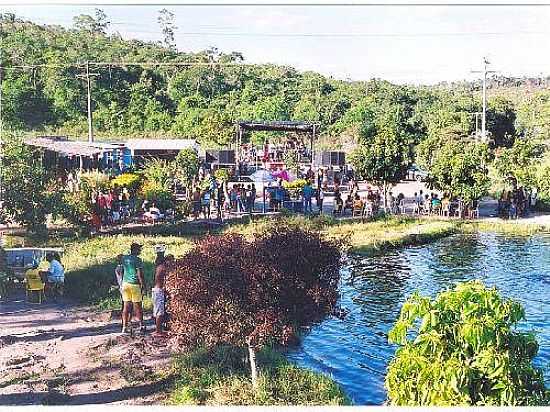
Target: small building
(63,154)
(60,153)
(168,149)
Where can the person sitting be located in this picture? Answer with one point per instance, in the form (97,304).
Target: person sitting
(338,204)
(349,203)
(357,206)
(54,277)
(153,213)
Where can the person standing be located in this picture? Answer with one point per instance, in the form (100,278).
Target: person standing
(320,199)
(158,294)
(119,273)
(310,174)
(252,197)
(307,193)
(319,177)
(133,284)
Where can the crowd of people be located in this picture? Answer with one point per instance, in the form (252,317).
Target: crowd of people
(515,203)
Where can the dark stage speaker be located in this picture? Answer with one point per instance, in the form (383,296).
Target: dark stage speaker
(332,159)
(220,157)
(227,157)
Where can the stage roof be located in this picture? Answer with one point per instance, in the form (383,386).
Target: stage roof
(279,126)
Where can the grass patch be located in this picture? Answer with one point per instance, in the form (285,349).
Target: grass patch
(90,265)
(220,376)
(389,232)
(516,228)
(19,379)
(90,262)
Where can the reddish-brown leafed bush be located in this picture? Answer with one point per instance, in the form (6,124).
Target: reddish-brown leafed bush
(234,291)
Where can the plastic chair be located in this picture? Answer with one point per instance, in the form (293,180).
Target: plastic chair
(33,283)
(357,209)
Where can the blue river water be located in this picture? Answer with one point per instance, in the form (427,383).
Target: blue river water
(355,351)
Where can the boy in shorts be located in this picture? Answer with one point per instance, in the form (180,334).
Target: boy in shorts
(133,284)
(158,295)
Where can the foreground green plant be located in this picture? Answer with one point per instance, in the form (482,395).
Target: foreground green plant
(461,349)
(219,376)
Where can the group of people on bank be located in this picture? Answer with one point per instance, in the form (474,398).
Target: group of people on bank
(130,278)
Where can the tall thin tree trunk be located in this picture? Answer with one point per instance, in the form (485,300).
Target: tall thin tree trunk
(253,367)
(385,188)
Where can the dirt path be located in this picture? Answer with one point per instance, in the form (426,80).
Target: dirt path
(62,354)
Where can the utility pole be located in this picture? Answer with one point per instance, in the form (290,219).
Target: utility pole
(484,98)
(1,132)
(89,88)
(477,114)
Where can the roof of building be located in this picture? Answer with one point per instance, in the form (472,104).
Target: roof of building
(279,125)
(71,148)
(161,144)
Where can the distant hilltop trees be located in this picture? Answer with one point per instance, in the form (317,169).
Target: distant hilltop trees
(149,89)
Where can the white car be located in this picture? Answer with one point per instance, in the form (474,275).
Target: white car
(417,174)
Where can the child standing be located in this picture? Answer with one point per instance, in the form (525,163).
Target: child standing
(158,295)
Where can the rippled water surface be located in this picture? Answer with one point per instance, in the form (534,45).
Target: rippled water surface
(355,350)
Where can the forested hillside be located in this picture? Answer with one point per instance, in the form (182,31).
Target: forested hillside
(44,91)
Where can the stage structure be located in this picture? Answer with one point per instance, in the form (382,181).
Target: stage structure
(298,127)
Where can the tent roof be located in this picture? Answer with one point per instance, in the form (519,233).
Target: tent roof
(279,126)
(161,144)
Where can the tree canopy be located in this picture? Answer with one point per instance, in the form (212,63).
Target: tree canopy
(204,99)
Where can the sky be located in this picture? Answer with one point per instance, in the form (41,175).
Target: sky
(403,44)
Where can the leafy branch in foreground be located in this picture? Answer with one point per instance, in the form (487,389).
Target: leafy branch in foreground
(461,349)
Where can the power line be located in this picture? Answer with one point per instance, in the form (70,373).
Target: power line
(245,34)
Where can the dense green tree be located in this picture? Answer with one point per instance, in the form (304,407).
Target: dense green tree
(533,115)
(385,147)
(93,25)
(203,101)
(501,118)
(28,190)
(458,166)
(187,166)
(520,162)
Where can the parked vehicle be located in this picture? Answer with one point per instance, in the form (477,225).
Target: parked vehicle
(415,173)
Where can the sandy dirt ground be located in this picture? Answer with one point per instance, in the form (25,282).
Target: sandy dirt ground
(61,354)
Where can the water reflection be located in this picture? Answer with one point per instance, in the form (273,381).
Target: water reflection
(355,350)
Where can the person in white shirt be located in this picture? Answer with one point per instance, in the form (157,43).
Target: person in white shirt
(55,275)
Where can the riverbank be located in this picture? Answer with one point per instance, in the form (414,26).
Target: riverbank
(221,377)
(90,262)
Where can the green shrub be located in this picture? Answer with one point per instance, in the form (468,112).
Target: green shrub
(221,175)
(297,184)
(461,349)
(94,181)
(131,181)
(77,207)
(154,192)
